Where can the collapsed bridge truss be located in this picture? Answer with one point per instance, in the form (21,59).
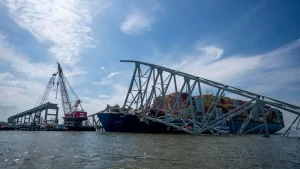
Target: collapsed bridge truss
(152,82)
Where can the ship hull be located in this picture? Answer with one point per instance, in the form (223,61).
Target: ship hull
(131,123)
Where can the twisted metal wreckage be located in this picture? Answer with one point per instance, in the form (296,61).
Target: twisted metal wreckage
(150,82)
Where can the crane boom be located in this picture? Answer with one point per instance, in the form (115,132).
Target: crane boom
(73,117)
(37,116)
(48,89)
(65,99)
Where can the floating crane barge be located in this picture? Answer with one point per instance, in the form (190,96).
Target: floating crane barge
(74,115)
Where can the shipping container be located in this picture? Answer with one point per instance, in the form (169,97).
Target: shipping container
(241,102)
(245,113)
(273,114)
(227,99)
(235,103)
(219,112)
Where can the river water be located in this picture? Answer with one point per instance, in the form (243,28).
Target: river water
(44,149)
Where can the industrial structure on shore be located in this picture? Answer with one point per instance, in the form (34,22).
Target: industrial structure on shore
(160,99)
(32,119)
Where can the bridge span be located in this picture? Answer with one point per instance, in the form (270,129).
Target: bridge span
(34,115)
(151,84)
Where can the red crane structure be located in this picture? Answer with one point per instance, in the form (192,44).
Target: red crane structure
(74,114)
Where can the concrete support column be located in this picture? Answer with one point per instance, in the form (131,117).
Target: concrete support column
(56,115)
(34,117)
(46,113)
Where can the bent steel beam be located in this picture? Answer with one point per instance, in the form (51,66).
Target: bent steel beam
(154,105)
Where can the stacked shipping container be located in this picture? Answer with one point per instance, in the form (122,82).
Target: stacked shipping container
(201,105)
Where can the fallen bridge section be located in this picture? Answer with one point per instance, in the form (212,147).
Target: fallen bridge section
(177,99)
(34,115)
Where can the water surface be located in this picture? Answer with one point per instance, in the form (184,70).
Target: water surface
(44,149)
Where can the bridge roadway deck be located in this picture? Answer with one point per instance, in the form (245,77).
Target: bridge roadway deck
(42,107)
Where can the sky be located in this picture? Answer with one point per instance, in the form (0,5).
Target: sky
(253,45)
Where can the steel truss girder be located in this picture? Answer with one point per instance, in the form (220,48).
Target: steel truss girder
(94,121)
(139,93)
(295,125)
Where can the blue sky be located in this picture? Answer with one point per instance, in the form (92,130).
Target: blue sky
(253,45)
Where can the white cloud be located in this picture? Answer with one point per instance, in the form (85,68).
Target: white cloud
(121,89)
(271,68)
(22,64)
(5,75)
(113,74)
(93,105)
(104,96)
(2,36)
(75,71)
(65,25)
(211,52)
(7,111)
(7,79)
(26,81)
(136,23)
(102,68)
(103,82)
(107,80)
(176,66)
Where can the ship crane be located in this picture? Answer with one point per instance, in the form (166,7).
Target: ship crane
(74,114)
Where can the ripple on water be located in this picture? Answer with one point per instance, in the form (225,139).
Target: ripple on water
(15,160)
(145,151)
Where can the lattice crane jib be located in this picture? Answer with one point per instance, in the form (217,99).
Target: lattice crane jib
(49,86)
(68,108)
(44,97)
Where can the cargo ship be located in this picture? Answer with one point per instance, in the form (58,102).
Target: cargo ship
(117,121)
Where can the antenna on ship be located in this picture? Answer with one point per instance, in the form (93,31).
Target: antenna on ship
(207,91)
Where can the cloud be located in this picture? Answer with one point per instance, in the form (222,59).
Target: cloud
(64,25)
(102,68)
(211,52)
(107,80)
(2,36)
(113,74)
(93,105)
(176,66)
(26,80)
(275,68)
(22,64)
(137,23)
(5,75)
(7,111)
(103,82)
(7,79)
(104,96)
